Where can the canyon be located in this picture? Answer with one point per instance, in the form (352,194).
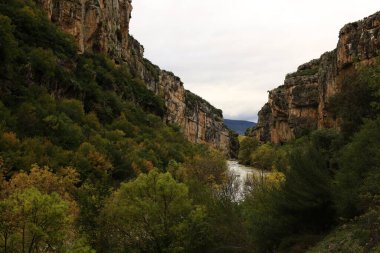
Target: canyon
(301,104)
(102,26)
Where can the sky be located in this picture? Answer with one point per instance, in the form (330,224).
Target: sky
(232,52)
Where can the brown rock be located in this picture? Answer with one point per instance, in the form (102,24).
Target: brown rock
(301,104)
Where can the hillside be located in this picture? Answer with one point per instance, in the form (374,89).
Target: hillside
(102,151)
(103,27)
(79,130)
(59,108)
(239,126)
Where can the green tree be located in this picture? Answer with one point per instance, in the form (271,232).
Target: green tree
(209,168)
(306,192)
(247,146)
(63,130)
(44,62)
(39,221)
(359,164)
(301,204)
(153,213)
(263,157)
(8,45)
(38,212)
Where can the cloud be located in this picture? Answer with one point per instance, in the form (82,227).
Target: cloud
(232,53)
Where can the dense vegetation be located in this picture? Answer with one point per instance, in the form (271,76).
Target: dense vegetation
(88,165)
(330,180)
(73,127)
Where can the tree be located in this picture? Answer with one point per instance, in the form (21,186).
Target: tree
(306,194)
(359,169)
(263,157)
(153,213)
(209,168)
(282,211)
(33,221)
(37,212)
(247,146)
(63,182)
(213,186)
(8,45)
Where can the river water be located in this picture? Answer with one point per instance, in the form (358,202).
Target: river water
(242,172)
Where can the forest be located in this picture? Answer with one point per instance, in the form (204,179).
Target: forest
(88,165)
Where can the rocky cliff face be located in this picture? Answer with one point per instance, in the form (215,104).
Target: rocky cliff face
(103,26)
(97,25)
(301,104)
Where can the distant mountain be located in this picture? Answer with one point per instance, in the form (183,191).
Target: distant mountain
(239,126)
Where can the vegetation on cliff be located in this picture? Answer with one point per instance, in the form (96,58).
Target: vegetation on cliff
(73,127)
(89,166)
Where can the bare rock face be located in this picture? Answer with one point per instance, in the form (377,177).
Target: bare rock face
(200,121)
(300,105)
(97,25)
(103,26)
(203,122)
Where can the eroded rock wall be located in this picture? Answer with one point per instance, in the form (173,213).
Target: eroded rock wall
(301,104)
(97,25)
(103,26)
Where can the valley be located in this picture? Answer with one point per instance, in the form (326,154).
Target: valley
(103,151)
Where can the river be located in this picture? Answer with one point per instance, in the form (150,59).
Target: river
(242,172)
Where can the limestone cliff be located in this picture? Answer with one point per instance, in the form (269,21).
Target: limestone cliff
(103,26)
(301,104)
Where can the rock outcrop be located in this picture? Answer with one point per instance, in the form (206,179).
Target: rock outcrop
(301,104)
(103,26)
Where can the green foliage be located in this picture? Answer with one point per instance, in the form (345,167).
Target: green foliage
(65,110)
(360,235)
(60,100)
(263,157)
(38,211)
(8,45)
(61,109)
(359,164)
(153,214)
(33,221)
(208,168)
(294,212)
(306,192)
(247,146)
(32,27)
(213,186)
(234,144)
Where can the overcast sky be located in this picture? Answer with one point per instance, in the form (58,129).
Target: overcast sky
(232,52)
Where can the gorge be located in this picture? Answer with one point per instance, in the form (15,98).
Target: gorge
(103,151)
